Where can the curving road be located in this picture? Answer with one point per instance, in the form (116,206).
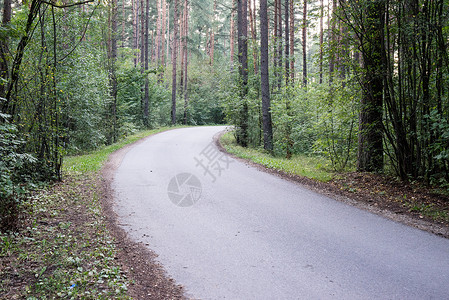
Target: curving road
(225,230)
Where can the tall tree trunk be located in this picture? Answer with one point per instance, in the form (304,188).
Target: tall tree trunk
(276,38)
(181,50)
(135,8)
(304,45)
(287,42)
(123,22)
(321,39)
(242,132)
(186,28)
(232,34)
(112,70)
(158,33)
(142,34)
(279,43)
(174,61)
(265,78)
(146,96)
(252,23)
(4,48)
(164,31)
(370,151)
(332,37)
(292,41)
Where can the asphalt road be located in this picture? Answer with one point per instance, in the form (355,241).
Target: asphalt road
(246,234)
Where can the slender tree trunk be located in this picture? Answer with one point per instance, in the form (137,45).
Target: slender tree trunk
(232,34)
(332,36)
(4,48)
(287,42)
(123,22)
(279,43)
(142,34)
(164,31)
(135,8)
(292,41)
(158,33)
(242,132)
(265,78)
(112,71)
(304,45)
(321,39)
(181,50)
(168,36)
(276,38)
(370,151)
(174,61)
(186,28)
(146,97)
(252,23)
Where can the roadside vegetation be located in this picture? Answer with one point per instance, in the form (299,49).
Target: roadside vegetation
(378,191)
(61,246)
(317,168)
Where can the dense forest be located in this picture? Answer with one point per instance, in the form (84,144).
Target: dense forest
(363,83)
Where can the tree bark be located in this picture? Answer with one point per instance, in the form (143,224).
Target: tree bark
(370,146)
(232,34)
(146,96)
(304,45)
(252,23)
(265,78)
(4,48)
(279,44)
(321,39)
(242,132)
(164,31)
(287,42)
(186,28)
(292,41)
(174,61)
(142,34)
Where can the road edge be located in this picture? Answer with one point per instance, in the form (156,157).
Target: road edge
(339,195)
(151,280)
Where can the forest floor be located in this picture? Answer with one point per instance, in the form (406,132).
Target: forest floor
(411,203)
(67,244)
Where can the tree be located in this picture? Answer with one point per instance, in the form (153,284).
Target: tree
(370,153)
(4,48)
(146,99)
(174,61)
(265,78)
(304,45)
(242,28)
(232,34)
(186,28)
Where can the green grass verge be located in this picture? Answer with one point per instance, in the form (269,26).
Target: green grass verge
(93,162)
(302,165)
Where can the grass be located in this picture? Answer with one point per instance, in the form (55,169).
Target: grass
(302,165)
(64,250)
(428,210)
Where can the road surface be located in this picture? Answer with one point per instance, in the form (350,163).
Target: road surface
(225,230)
